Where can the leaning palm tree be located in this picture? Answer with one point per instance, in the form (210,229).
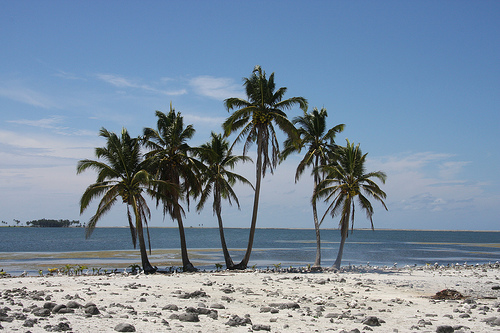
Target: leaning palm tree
(321,148)
(170,160)
(121,174)
(346,181)
(254,118)
(218,181)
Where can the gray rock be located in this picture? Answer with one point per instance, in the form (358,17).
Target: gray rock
(171,307)
(123,327)
(260,327)
(489,320)
(73,305)
(213,314)
(7,319)
(39,312)
(61,327)
(66,310)
(194,294)
(204,311)
(217,306)
(58,307)
(92,310)
(372,321)
(49,305)
(282,306)
(30,322)
(189,317)
(235,320)
(445,329)
(497,287)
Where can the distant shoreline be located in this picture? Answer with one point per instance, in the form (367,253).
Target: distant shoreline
(355,229)
(263,228)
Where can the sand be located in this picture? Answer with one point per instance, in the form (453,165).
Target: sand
(359,299)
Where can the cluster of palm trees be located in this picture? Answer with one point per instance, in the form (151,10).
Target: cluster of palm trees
(162,165)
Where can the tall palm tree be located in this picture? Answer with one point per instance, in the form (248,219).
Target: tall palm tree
(254,118)
(321,147)
(121,174)
(170,159)
(218,181)
(347,181)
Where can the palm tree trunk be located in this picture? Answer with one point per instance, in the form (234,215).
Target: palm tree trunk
(217,202)
(187,266)
(344,229)
(244,263)
(227,256)
(146,265)
(317,261)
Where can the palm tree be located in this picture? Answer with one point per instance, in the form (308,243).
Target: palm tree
(218,181)
(170,160)
(122,175)
(347,181)
(254,118)
(321,147)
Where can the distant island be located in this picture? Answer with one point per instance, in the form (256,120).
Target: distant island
(46,223)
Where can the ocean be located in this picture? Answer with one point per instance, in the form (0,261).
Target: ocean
(34,249)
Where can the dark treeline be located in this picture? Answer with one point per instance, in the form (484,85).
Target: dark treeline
(46,223)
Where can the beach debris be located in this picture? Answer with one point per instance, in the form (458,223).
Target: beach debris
(124,327)
(194,294)
(448,294)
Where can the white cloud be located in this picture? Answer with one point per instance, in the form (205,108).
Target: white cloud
(199,120)
(426,182)
(27,96)
(35,149)
(50,123)
(449,170)
(122,82)
(217,88)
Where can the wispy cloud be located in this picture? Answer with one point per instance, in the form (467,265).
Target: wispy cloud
(54,123)
(20,145)
(216,121)
(217,88)
(122,82)
(426,182)
(27,96)
(68,76)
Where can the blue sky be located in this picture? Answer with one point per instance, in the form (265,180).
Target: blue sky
(416,83)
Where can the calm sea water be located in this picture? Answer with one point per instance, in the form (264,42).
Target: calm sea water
(31,249)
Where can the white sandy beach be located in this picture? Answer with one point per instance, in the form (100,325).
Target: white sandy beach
(362,300)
